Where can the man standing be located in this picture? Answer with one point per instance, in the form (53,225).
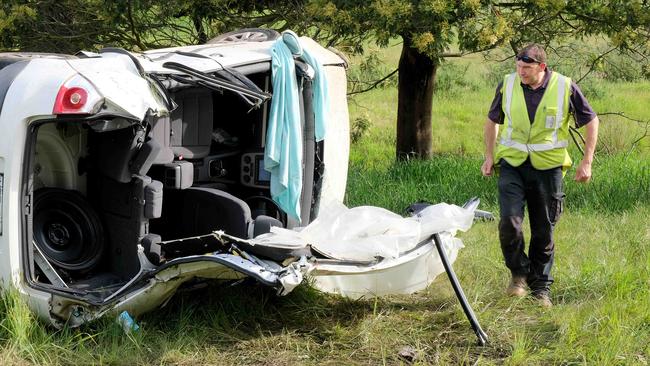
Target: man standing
(534,105)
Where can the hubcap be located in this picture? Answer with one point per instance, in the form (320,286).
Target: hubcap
(58,235)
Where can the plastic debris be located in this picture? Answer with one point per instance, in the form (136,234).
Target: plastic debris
(128,324)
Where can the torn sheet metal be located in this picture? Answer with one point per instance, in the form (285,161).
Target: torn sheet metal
(152,287)
(117,79)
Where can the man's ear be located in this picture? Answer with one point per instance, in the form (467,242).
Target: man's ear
(543,66)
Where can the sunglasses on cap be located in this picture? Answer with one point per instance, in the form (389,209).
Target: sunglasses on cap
(528,60)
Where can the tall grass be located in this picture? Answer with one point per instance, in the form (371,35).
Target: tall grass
(619,183)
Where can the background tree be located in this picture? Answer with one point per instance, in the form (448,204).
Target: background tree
(68,26)
(430,29)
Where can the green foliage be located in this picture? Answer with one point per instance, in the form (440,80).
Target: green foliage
(68,26)
(454,80)
(434,26)
(428,26)
(359,128)
(370,71)
(594,88)
(596,57)
(620,67)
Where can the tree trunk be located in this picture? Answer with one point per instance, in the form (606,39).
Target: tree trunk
(200,32)
(417,73)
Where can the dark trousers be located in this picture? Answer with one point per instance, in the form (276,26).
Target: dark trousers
(541,192)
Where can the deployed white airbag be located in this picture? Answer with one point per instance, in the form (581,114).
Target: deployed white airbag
(407,274)
(367,233)
(398,252)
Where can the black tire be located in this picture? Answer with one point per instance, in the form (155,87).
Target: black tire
(67,229)
(246,35)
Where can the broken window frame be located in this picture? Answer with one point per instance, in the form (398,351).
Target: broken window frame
(192,76)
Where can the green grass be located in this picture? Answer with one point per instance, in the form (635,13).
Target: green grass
(619,183)
(602,291)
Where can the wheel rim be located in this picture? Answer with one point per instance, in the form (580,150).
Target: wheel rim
(247,37)
(67,231)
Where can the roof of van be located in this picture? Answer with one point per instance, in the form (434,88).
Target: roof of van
(8,58)
(210,57)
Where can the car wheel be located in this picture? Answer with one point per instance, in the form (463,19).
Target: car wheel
(67,229)
(246,35)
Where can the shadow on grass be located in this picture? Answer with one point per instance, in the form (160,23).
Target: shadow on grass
(238,320)
(224,317)
(247,310)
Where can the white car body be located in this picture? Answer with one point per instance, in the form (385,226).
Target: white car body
(119,95)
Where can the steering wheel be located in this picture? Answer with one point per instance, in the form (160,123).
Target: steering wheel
(262,205)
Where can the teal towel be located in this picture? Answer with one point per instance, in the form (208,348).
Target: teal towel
(320,96)
(283,151)
(320,100)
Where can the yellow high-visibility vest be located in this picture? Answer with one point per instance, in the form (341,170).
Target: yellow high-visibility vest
(546,139)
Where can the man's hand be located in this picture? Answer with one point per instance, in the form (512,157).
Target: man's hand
(487,169)
(490,132)
(583,172)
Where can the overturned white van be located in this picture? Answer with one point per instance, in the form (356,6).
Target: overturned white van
(115,167)
(125,175)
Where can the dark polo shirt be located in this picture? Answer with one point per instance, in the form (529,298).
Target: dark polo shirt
(578,104)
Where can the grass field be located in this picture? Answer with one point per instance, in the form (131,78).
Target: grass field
(602,291)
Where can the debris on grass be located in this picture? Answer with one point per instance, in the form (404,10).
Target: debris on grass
(407,354)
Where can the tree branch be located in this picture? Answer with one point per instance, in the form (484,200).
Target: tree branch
(135,33)
(566,22)
(593,64)
(645,134)
(572,132)
(462,54)
(622,114)
(374,85)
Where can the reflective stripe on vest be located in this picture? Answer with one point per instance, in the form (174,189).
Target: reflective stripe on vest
(561,81)
(509,142)
(509,86)
(534,147)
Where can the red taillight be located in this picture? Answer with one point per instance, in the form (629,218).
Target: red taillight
(70,100)
(76,96)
